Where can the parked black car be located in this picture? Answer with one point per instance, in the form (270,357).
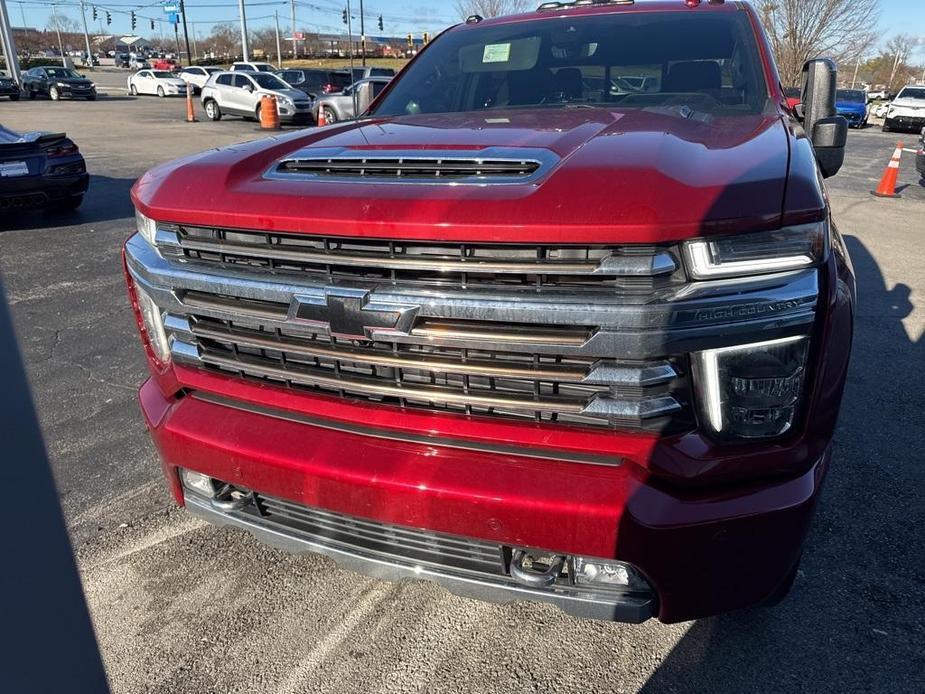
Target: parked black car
(8,87)
(40,170)
(315,82)
(57,82)
(920,156)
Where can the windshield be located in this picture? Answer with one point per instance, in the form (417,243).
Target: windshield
(631,60)
(268,81)
(162,74)
(851,95)
(912,93)
(62,73)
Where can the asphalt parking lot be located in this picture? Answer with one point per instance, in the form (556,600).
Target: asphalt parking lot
(180,606)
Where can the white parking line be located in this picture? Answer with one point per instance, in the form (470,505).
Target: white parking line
(906,149)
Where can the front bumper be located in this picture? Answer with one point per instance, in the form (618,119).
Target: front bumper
(704,552)
(854,118)
(905,122)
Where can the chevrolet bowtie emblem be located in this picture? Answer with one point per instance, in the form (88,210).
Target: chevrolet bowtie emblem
(350,313)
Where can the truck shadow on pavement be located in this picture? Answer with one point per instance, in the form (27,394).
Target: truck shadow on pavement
(106,199)
(855,619)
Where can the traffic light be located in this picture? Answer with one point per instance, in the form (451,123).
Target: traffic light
(410,41)
(426,38)
(94,14)
(108,19)
(152,25)
(380,22)
(344,16)
(134,23)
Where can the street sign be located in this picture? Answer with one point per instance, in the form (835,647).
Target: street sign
(298,35)
(173,18)
(171,8)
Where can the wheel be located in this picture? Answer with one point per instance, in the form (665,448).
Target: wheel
(212,110)
(54,94)
(160,92)
(133,90)
(91,97)
(886,127)
(329,115)
(31,93)
(66,204)
(257,112)
(14,97)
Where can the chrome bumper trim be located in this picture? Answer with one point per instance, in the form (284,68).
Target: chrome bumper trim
(579,603)
(394,435)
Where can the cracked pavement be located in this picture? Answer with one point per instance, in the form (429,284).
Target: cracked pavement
(180,606)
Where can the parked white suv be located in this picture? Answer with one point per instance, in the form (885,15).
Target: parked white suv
(197,76)
(250,66)
(907,112)
(240,93)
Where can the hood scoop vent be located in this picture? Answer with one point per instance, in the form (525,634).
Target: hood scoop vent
(484,166)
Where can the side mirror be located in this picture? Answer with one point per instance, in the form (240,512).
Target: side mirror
(248,88)
(364,98)
(827,131)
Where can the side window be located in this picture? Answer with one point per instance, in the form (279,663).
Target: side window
(241,81)
(378,87)
(224,80)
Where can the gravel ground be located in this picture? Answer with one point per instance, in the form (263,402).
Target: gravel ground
(180,606)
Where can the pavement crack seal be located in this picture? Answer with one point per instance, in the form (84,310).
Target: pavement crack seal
(305,671)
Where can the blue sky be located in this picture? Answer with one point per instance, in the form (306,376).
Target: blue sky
(400,16)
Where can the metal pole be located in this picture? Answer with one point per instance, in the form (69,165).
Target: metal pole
(279,51)
(294,47)
(189,56)
(362,35)
(243,31)
(195,49)
(83,16)
(353,92)
(856,68)
(176,37)
(9,45)
(54,12)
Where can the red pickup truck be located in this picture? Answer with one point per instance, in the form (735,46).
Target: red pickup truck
(562,317)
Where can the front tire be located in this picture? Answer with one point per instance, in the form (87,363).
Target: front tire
(329,114)
(14,97)
(31,94)
(160,92)
(886,127)
(212,110)
(91,97)
(54,94)
(133,90)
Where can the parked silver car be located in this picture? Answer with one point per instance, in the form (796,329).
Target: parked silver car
(340,105)
(240,93)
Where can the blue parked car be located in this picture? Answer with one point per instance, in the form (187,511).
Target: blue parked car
(852,104)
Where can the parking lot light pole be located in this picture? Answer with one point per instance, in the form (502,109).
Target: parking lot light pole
(246,53)
(362,36)
(54,12)
(83,16)
(292,10)
(8,44)
(279,51)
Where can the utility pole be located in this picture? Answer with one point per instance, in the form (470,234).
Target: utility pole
(83,16)
(189,56)
(279,52)
(856,68)
(243,31)
(8,44)
(353,92)
(292,10)
(195,49)
(54,12)
(362,36)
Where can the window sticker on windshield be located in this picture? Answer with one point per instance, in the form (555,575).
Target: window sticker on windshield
(496,53)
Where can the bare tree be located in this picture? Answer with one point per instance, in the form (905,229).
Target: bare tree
(490,8)
(800,30)
(62,23)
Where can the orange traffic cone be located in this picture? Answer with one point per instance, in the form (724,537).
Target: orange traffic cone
(269,115)
(321,119)
(190,113)
(887,187)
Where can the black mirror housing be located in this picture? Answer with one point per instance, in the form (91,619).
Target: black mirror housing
(827,130)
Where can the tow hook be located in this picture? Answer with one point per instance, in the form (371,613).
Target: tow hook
(229,498)
(542,572)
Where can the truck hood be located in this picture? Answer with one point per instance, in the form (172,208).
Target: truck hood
(908,103)
(636,176)
(851,106)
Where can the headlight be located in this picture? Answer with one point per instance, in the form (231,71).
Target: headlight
(153,321)
(61,84)
(751,391)
(757,253)
(147,227)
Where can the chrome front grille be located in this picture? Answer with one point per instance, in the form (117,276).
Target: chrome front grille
(408,167)
(384,541)
(471,381)
(333,259)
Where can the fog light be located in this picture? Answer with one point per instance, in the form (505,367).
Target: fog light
(615,575)
(197,482)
